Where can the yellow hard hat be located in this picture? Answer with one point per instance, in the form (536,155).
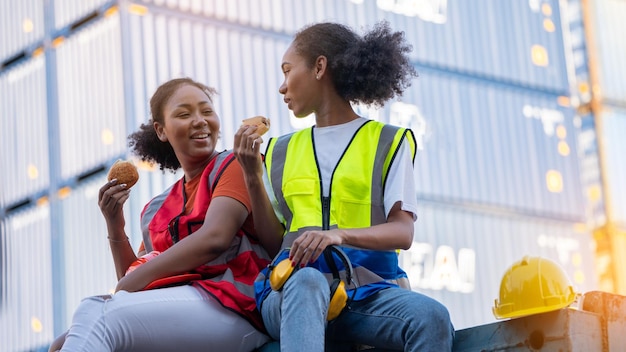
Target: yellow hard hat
(533,285)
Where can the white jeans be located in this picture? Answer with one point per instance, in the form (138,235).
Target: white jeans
(182,318)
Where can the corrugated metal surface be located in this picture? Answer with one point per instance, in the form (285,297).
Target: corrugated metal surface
(26,309)
(242,65)
(70,12)
(21,26)
(614,158)
(516,41)
(607,30)
(503,168)
(493,145)
(590,171)
(91,97)
(504,145)
(87,262)
(575,50)
(459,256)
(24,134)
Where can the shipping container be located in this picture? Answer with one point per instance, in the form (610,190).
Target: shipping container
(492,145)
(22,29)
(511,147)
(507,161)
(575,49)
(74,13)
(459,256)
(242,65)
(90,92)
(606,28)
(590,171)
(613,130)
(24,152)
(86,266)
(26,309)
(520,42)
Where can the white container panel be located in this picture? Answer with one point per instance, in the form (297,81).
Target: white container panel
(87,266)
(24,152)
(21,27)
(71,12)
(242,65)
(91,97)
(520,42)
(26,309)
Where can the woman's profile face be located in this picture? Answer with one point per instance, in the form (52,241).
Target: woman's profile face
(299,85)
(190,125)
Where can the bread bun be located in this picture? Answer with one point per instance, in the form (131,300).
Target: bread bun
(261,122)
(124,172)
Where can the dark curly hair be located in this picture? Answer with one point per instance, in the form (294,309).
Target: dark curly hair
(370,69)
(145,143)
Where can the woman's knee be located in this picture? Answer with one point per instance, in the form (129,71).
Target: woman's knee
(308,278)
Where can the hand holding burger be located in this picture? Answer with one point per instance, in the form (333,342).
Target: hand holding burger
(125,172)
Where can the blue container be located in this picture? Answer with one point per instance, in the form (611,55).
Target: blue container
(613,130)
(459,256)
(520,42)
(481,142)
(493,145)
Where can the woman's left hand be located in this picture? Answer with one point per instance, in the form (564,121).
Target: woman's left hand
(131,282)
(308,246)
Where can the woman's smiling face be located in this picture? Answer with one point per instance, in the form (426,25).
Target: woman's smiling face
(191,125)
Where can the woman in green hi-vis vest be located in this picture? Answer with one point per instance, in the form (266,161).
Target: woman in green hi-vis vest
(342,188)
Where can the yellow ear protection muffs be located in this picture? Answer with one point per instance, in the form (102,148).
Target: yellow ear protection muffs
(280,273)
(338,295)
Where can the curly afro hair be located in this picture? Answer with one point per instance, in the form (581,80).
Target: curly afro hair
(145,143)
(371,69)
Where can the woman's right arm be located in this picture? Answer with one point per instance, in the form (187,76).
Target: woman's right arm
(268,226)
(111,199)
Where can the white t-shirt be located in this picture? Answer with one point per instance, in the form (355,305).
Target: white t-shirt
(331,141)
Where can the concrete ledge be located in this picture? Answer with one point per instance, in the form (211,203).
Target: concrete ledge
(561,330)
(612,309)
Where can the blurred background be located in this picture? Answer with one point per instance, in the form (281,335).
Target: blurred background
(519,113)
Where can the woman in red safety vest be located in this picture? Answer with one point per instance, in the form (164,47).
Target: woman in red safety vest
(198,292)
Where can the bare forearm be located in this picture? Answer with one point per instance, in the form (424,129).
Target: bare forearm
(387,236)
(121,250)
(268,228)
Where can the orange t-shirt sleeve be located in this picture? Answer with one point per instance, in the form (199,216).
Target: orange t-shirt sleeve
(231,184)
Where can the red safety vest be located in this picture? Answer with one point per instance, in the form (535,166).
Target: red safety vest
(228,278)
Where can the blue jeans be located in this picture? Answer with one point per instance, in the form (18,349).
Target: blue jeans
(392,319)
